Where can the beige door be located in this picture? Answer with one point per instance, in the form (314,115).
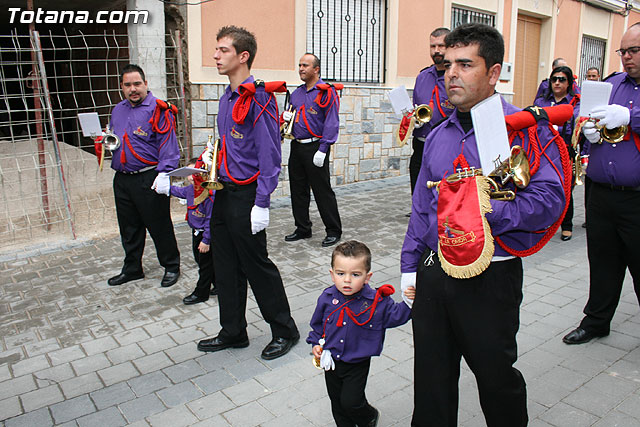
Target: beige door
(525,75)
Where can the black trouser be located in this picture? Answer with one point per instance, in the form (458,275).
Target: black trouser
(139,208)
(206,273)
(477,319)
(567,221)
(304,174)
(415,161)
(587,188)
(345,386)
(613,233)
(239,255)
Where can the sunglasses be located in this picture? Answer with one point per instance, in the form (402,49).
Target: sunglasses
(560,79)
(632,51)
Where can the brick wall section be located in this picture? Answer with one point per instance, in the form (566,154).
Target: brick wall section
(365,149)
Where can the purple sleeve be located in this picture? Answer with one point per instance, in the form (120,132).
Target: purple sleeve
(331,122)
(168,148)
(541,203)
(180,192)
(396,314)
(316,322)
(208,208)
(267,138)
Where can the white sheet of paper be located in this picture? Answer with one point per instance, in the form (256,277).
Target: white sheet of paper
(491,132)
(593,94)
(185,171)
(400,100)
(90,124)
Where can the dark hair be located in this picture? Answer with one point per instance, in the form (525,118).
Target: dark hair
(568,73)
(353,249)
(594,68)
(316,60)
(489,40)
(243,41)
(439,32)
(132,68)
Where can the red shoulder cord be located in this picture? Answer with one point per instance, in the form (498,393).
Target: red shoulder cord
(169,119)
(123,157)
(435,92)
(566,176)
(226,168)
(329,101)
(381,292)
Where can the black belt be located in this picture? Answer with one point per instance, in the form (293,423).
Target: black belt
(138,171)
(617,187)
(232,186)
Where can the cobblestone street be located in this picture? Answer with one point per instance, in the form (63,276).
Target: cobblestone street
(76,352)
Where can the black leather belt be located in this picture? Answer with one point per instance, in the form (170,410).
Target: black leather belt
(138,171)
(232,186)
(617,187)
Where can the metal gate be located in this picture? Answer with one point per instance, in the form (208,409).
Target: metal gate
(50,186)
(592,55)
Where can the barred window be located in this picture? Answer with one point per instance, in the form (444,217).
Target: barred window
(461,16)
(347,36)
(592,55)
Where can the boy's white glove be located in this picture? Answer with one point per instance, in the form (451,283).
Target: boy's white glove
(318,158)
(611,116)
(591,132)
(326,361)
(407,280)
(287,115)
(162,184)
(259,219)
(207,156)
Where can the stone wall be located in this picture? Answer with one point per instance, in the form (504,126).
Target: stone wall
(365,149)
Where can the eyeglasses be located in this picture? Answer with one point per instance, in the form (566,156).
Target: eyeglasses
(560,79)
(632,50)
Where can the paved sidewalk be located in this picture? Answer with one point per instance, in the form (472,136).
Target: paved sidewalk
(76,352)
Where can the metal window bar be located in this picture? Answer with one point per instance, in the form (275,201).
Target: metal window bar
(592,55)
(82,75)
(347,36)
(461,16)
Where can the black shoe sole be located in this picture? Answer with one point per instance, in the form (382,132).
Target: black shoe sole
(241,344)
(131,279)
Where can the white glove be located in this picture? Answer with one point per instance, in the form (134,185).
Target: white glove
(287,115)
(259,219)
(207,156)
(407,280)
(326,361)
(611,116)
(318,158)
(162,184)
(591,132)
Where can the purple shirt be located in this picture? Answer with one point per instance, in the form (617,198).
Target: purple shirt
(549,100)
(536,207)
(352,343)
(618,164)
(151,146)
(198,217)
(423,93)
(322,121)
(253,146)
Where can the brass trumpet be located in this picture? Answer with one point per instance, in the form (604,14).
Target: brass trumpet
(212,183)
(423,114)
(111,141)
(613,136)
(516,168)
(287,126)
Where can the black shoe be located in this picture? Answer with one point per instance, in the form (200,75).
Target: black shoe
(213,291)
(124,278)
(565,238)
(580,336)
(374,421)
(296,236)
(278,347)
(584,224)
(408,215)
(170,278)
(330,241)
(193,299)
(216,344)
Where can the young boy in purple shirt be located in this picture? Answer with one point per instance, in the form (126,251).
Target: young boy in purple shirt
(347,329)
(199,207)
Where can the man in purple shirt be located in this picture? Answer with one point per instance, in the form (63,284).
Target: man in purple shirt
(613,208)
(148,150)
(429,89)
(250,144)
(315,129)
(477,318)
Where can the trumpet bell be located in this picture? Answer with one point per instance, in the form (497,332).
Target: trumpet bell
(212,182)
(615,135)
(423,113)
(111,141)
(316,363)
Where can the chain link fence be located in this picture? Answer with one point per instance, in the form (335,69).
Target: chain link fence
(50,186)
